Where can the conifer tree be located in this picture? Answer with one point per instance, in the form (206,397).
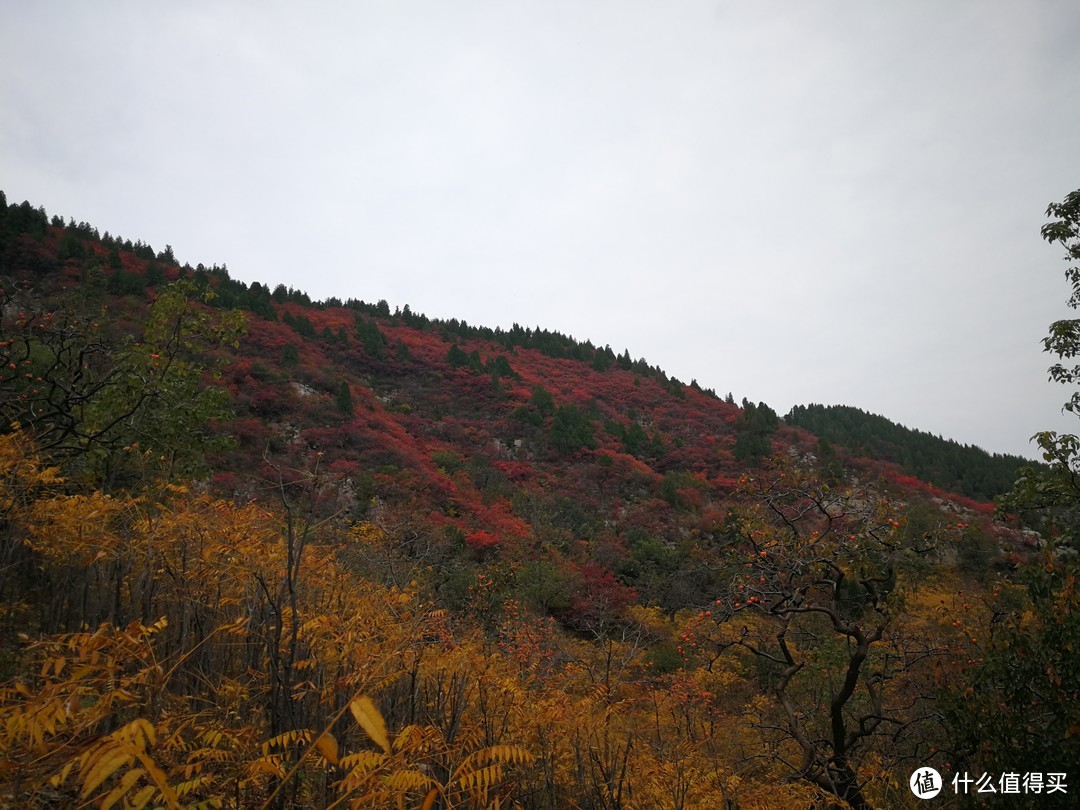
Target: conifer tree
(343,398)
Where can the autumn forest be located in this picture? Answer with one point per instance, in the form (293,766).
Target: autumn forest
(259,551)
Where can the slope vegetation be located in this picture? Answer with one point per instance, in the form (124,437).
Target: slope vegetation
(260,551)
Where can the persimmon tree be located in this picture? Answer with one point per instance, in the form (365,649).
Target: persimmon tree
(815,606)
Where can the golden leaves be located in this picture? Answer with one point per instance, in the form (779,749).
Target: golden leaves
(176,712)
(407,767)
(328,747)
(126,751)
(22,472)
(483,770)
(78,528)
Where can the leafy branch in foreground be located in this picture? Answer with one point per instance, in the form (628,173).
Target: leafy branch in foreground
(102,405)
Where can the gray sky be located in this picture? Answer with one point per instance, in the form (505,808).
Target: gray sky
(833,202)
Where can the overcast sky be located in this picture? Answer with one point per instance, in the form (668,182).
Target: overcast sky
(833,202)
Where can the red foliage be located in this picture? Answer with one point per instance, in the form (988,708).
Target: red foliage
(224,482)
(343,468)
(599,595)
(516,471)
(249,432)
(481,540)
(725,483)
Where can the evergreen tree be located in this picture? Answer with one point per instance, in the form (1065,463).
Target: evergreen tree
(304,326)
(343,398)
(123,283)
(370,337)
(635,439)
(755,428)
(499,366)
(571,430)
(154,274)
(456,357)
(542,400)
(71,247)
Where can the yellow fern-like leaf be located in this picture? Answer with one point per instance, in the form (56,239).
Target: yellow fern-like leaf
(404,781)
(405,738)
(371,721)
(191,785)
(112,758)
(472,773)
(123,786)
(143,797)
(141,733)
(363,761)
(511,754)
(266,766)
(58,779)
(481,779)
(418,740)
(160,780)
(287,738)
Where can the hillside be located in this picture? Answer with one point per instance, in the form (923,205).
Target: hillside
(492,439)
(471,537)
(965,469)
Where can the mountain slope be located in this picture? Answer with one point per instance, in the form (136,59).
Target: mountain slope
(264,551)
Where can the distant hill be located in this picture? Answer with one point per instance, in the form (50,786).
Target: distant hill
(955,467)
